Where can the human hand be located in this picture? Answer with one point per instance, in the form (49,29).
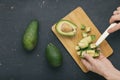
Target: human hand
(101,66)
(115,17)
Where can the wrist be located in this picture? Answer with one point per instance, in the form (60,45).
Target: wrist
(112,75)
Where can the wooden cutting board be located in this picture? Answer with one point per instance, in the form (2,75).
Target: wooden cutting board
(78,17)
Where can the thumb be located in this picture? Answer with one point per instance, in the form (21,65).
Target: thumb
(113,29)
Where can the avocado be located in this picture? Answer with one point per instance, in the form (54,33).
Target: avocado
(84,34)
(93,46)
(88,29)
(30,37)
(66,28)
(86,45)
(96,55)
(83,27)
(91,52)
(53,55)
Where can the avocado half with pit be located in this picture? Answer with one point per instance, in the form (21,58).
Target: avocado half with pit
(66,28)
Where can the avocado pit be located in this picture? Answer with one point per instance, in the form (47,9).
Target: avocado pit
(66,28)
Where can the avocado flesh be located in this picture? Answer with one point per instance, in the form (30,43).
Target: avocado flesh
(70,28)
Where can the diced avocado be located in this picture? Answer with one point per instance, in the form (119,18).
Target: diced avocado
(88,39)
(88,29)
(77,48)
(93,45)
(86,44)
(96,55)
(93,37)
(84,34)
(85,41)
(79,52)
(91,52)
(82,54)
(83,45)
(66,28)
(83,27)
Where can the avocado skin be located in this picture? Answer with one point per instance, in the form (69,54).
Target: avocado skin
(53,55)
(30,37)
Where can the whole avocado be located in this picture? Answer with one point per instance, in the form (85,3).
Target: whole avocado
(30,37)
(53,55)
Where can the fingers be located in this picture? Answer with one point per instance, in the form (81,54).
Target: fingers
(118,8)
(115,18)
(86,63)
(116,15)
(116,12)
(117,27)
(88,58)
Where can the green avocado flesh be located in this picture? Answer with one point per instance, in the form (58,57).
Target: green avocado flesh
(86,45)
(66,28)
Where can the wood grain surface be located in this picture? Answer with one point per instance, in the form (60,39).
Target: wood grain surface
(78,17)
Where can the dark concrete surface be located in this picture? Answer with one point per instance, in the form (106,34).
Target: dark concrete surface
(17,64)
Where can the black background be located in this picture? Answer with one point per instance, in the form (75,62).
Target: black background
(17,64)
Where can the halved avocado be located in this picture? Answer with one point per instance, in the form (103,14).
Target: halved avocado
(66,28)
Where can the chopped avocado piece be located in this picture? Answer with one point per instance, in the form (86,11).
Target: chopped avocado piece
(93,37)
(96,55)
(88,39)
(79,52)
(83,45)
(66,28)
(83,40)
(84,34)
(77,48)
(88,29)
(83,27)
(82,54)
(93,45)
(86,45)
(91,52)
